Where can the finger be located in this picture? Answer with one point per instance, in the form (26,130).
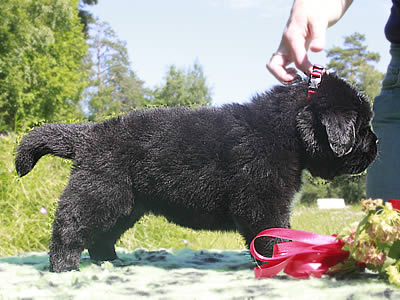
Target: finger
(277,67)
(317,35)
(299,53)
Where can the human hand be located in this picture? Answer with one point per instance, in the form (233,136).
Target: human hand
(305,30)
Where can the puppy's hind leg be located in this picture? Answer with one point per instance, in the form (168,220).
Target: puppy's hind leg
(66,245)
(88,211)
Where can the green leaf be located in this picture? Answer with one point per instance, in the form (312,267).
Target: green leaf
(361,226)
(41,52)
(394,251)
(183,88)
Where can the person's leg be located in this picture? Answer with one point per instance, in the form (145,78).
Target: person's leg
(383,176)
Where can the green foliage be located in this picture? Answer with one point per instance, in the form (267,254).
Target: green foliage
(114,87)
(349,187)
(41,48)
(85,16)
(313,188)
(22,226)
(354,62)
(183,88)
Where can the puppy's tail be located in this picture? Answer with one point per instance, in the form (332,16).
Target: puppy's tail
(56,139)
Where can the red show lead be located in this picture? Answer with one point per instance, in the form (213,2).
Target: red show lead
(308,254)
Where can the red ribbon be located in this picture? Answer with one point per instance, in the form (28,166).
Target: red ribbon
(307,254)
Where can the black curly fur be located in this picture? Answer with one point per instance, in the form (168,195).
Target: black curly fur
(237,166)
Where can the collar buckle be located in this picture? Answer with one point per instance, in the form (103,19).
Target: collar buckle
(315,79)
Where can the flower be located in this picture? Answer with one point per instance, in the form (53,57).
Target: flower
(385,224)
(43,211)
(371,205)
(348,239)
(393,275)
(374,241)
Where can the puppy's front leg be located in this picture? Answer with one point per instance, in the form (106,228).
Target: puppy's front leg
(256,219)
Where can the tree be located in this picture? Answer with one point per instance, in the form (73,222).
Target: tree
(114,87)
(41,50)
(85,16)
(183,88)
(353,62)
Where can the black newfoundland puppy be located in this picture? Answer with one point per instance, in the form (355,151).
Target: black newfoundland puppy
(233,167)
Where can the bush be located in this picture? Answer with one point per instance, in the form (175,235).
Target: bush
(349,187)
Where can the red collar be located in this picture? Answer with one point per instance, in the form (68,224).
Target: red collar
(315,79)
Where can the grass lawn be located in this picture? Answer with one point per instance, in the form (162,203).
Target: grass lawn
(155,232)
(24,226)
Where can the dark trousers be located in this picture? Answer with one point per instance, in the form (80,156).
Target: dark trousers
(383,176)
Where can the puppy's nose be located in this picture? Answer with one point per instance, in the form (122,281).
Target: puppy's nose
(377,141)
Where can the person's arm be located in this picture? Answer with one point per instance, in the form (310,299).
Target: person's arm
(305,29)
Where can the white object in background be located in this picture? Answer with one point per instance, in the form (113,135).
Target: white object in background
(330,203)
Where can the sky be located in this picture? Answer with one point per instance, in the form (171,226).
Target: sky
(232,39)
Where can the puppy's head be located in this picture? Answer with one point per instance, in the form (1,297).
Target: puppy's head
(335,128)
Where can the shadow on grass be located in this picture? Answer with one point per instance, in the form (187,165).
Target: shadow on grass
(187,258)
(38,261)
(166,259)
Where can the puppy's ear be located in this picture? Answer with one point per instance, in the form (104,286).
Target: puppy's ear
(341,132)
(338,127)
